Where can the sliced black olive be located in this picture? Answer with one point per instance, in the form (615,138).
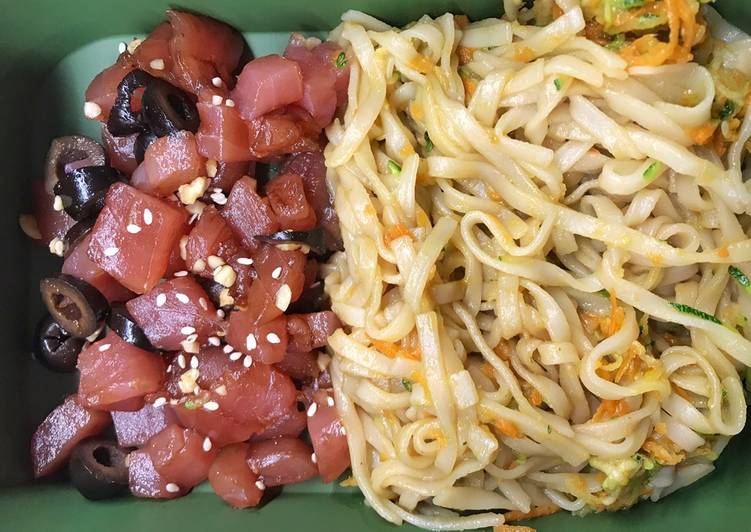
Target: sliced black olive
(77,306)
(214,290)
(315,239)
(265,172)
(66,150)
(125,327)
(167,109)
(143,141)
(83,190)
(54,348)
(98,469)
(123,120)
(227,175)
(313,299)
(77,233)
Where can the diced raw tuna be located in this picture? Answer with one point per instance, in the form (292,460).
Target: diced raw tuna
(290,130)
(154,51)
(301,366)
(290,424)
(133,429)
(260,306)
(145,481)
(210,236)
(134,237)
(228,173)
(286,195)
(169,162)
(103,88)
(173,311)
(277,268)
(222,135)
(79,265)
(281,461)
(264,342)
(328,437)
(180,455)
(222,429)
(52,223)
(248,214)
(54,439)
(311,331)
(232,480)
(329,54)
(319,81)
(120,151)
(266,84)
(114,371)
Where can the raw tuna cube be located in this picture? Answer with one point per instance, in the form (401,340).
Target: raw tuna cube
(290,130)
(114,371)
(248,214)
(265,342)
(319,81)
(169,162)
(145,481)
(281,461)
(286,195)
(232,479)
(79,265)
(266,84)
(120,151)
(103,88)
(55,438)
(219,427)
(290,424)
(182,456)
(154,48)
(277,268)
(301,366)
(173,311)
(133,429)
(210,236)
(222,135)
(134,237)
(328,437)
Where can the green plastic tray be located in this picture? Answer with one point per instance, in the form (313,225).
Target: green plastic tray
(49,50)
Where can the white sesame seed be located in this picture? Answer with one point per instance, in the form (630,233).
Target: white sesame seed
(207,444)
(182,298)
(203,303)
(229,103)
(91,110)
(250,342)
(194,362)
(217,100)
(228,349)
(57,204)
(190,346)
(132,45)
(330,401)
(247,361)
(245,261)
(161,299)
(219,198)
(312,409)
(220,313)
(148,218)
(133,229)
(221,390)
(157,64)
(192,338)
(103,348)
(181,360)
(283,298)
(276,273)
(172,487)
(197,390)
(121,48)
(181,273)
(314,458)
(211,406)
(234,357)
(169,368)
(217,189)
(215,341)
(188,330)
(216,82)
(260,485)
(160,401)
(211,169)
(111,252)
(273,338)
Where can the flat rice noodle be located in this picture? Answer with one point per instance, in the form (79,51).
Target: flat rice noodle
(169,162)
(210,236)
(267,84)
(79,265)
(144,481)
(269,339)
(133,429)
(103,88)
(328,437)
(52,224)
(178,455)
(302,367)
(64,427)
(248,214)
(232,480)
(281,461)
(286,195)
(120,151)
(116,375)
(222,134)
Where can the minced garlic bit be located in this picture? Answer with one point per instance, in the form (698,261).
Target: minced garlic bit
(199,266)
(157,64)
(57,204)
(225,276)
(214,261)
(190,347)
(211,167)
(132,45)
(187,382)
(58,247)
(217,100)
(190,193)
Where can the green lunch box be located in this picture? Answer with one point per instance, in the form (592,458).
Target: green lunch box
(49,51)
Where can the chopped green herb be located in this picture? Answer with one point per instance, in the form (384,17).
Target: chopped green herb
(728,110)
(617,42)
(680,307)
(428,143)
(741,277)
(747,379)
(521,459)
(407,384)
(645,461)
(631,4)
(190,405)
(550,430)
(653,170)
(341,60)
(466,72)
(558,84)
(394,168)
(724,394)
(604,293)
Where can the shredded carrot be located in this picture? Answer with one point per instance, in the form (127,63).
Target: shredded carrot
(507,428)
(465,54)
(631,365)
(396,231)
(663,450)
(470,86)
(462,21)
(535,398)
(680,391)
(538,511)
(702,134)
(557,11)
(524,54)
(610,408)
(617,316)
(723,252)
(604,374)
(420,63)
(393,350)
(718,143)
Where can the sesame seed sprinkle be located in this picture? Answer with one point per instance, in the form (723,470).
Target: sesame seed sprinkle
(181,360)
(260,485)
(133,45)
(133,229)
(312,409)
(276,273)
(181,273)
(122,47)
(221,390)
(216,82)
(217,100)
(273,338)
(203,303)
(157,64)
(172,487)
(229,103)
(215,341)
(91,110)
(314,458)
(211,169)
(194,362)
(111,252)
(182,298)
(234,357)
(219,198)
(103,348)
(250,342)
(207,444)
(148,218)
(228,349)
(245,261)
(330,401)
(220,313)
(211,406)
(247,361)
(283,298)
(192,338)
(188,330)
(57,204)
(161,299)
(160,401)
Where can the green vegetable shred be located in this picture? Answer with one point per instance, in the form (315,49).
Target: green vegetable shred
(341,61)
(394,168)
(680,307)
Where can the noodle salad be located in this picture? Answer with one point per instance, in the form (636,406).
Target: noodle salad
(545,284)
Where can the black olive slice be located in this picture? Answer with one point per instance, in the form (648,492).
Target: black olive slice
(123,120)
(143,141)
(83,190)
(312,299)
(167,109)
(54,348)
(120,321)
(227,175)
(74,304)
(214,290)
(77,233)
(315,239)
(66,150)
(98,469)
